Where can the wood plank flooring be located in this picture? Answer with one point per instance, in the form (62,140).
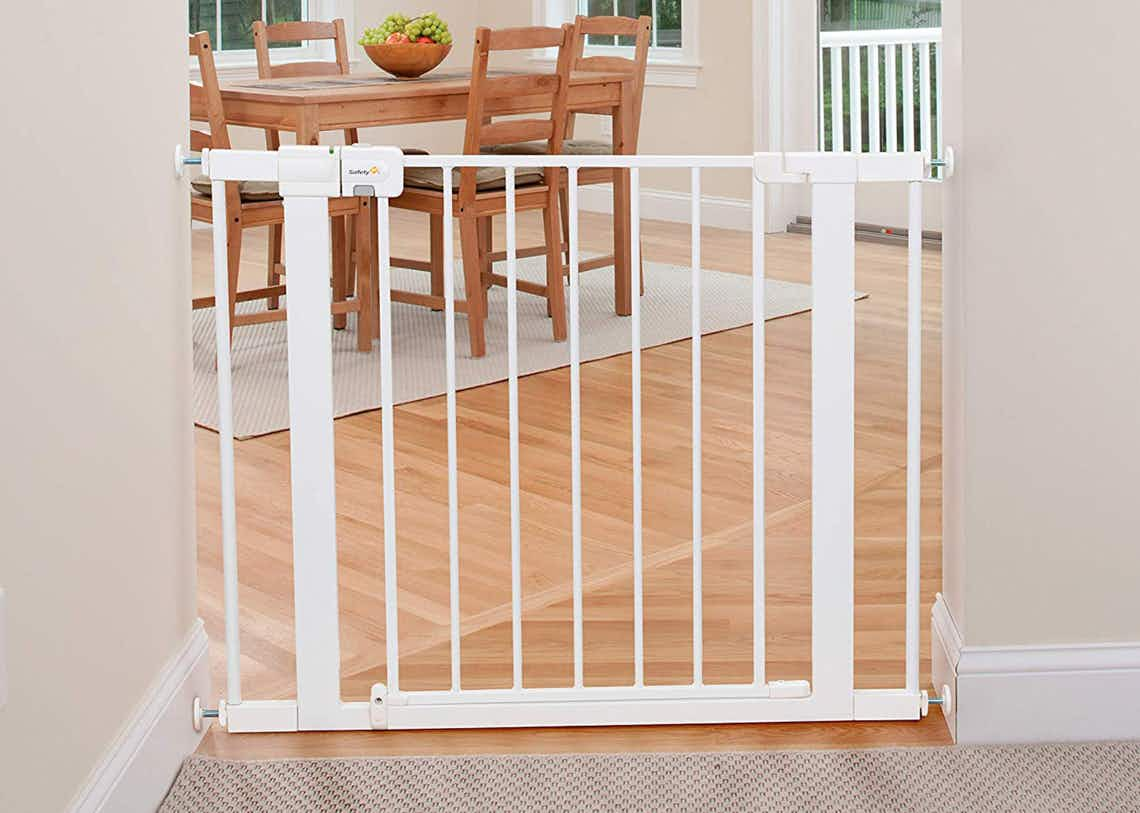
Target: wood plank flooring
(265,558)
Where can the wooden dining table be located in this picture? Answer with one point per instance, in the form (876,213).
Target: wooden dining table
(307,106)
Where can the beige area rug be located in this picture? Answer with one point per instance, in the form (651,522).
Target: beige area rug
(981,780)
(261,400)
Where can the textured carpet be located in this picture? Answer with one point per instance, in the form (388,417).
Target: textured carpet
(1100,777)
(261,401)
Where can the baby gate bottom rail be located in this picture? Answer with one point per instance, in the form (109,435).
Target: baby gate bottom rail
(308,176)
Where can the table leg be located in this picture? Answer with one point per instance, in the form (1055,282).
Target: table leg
(308,128)
(339,270)
(623,305)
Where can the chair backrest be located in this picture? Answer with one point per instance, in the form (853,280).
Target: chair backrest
(488,91)
(641,30)
(206,99)
(301,31)
(206,106)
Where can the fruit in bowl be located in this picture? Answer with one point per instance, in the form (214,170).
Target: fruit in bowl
(408,47)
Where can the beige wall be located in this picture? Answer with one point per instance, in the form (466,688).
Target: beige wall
(96,479)
(1042,391)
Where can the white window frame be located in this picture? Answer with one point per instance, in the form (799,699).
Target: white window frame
(668,67)
(243,62)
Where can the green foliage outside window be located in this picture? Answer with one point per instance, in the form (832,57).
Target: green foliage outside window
(238,17)
(666,28)
(870,15)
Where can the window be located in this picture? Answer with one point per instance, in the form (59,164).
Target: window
(229,24)
(228,21)
(665,14)
(673,51)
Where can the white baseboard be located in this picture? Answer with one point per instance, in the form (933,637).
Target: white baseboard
(1053,693)
(661,204)
(138,769)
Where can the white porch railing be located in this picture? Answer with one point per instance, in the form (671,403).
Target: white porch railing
(881,91)
(308,177)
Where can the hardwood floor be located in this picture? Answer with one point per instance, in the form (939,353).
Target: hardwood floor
(421,483)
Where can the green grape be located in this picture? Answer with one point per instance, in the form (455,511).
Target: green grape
(428,25)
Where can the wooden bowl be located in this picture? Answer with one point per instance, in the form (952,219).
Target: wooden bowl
(407,60)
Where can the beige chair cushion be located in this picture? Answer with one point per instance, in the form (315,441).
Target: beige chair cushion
(571,146)
(487,179)
(251,191)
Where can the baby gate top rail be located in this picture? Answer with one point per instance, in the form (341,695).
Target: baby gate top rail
(308,176)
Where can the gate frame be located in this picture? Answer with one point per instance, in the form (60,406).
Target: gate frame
(308,176)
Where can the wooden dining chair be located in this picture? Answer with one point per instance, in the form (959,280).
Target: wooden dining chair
(264,36)
(479,194)
(640,29)
(250,204)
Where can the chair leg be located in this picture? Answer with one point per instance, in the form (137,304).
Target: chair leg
(436,230)
(564,211)
(350,258)
(365,296)
(555,290)
(274,254)
(233,262)
(472,278)
(339,270)
(486,246)
(641,265)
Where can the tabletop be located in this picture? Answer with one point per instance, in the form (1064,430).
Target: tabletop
(356,87)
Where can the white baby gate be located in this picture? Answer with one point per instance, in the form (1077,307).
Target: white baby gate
(308,176)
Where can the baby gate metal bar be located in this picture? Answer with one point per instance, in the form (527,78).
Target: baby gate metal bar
(308,176)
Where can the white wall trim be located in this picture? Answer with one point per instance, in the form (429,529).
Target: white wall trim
(666,73)
(768,98)
(239,69)
(992,660)
(664,204)
(946,627)
(136,772)
(670,74)
(1038,693)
